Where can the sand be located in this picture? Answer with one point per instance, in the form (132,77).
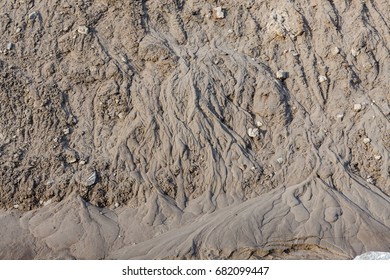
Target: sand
(176,130)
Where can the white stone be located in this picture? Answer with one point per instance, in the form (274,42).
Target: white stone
(322,79)
(377,157)
(253,132)
(335,51)
(366,140)
(9,46)
(91,179)
(280,160)
(370,181)
(116,204)
(66,131)
(259,123)
(357,107)
(16,206)
(281,75)
(218,13)
(83,29)
(340,115)
(354,52)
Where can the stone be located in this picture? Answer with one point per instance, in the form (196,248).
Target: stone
(9,46)
(253,132)
(218,13)
(357,107)
(340,116)
(366,140)
(377,157)
(355,52)
(91,179)
(82,29)
(66,131)
(322,79)
(281,75)
(280,160)
(259,123)
(335,51)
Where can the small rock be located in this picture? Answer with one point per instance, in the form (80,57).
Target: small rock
(280,160)
(366,140)
(357,107)
(9,46)
(66,131)
(218,13)
(259,123)
(18,30)
(335,51)
(91,179)
(377,157)
(83,30)
(116,204)
(340,116)
(281,75)
(82,162)
(230,31)
(253,132)
(355,52)
(16,206)
(322,79)
(370,180)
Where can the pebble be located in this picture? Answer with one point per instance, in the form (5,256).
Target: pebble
(322,79)
(253,132)
(91,179)
(366,140)
(377,157)
(340,116)
(9,46)
(281,75)
(218,13)
(116,204)
(357,107)
(280,160)
(335,51)
(83,30)
(354,52)
(259,123)
(16,206)
(370,180)
(66,131)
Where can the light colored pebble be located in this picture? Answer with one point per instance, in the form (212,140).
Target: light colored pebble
(366,140)
(322,79)
(281,75)
(83,30)
(357,107)
(253,132)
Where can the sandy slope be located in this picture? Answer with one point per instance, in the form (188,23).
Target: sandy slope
(153,129)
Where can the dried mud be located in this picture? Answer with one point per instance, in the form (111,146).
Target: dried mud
(156,130)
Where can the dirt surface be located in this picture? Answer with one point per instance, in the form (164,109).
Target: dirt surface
(194,129)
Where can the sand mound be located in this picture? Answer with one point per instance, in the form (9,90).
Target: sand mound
(171,129)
